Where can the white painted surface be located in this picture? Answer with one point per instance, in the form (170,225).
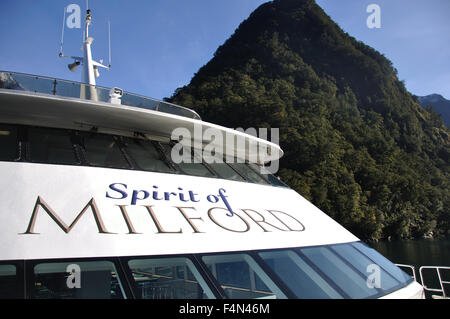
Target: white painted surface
(274,217)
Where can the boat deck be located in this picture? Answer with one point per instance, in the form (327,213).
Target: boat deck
(71,89)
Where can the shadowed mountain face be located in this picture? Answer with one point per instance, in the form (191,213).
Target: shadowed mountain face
(438,104)
(356,143)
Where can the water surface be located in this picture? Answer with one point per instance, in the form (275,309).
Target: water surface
(423,252)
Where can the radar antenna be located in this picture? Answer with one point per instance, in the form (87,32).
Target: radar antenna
(90,67)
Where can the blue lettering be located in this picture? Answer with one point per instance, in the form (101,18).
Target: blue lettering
(155,194)
(168,194)
(225,201)
(212,198)
(114,188)
(135,198)
(119,191)
(182,195)
(192,196)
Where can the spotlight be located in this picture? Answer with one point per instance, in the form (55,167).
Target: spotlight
(73,66)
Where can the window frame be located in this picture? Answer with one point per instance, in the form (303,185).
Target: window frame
(246,164)
(380,292)
(26,277)
(257,259)
(115,138)
(72,138)
(158,148)
(76,136)
(212,284)
(327,278)
(21,149)
(31,278)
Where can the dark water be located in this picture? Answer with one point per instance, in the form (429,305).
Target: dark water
(423,252)
(429,252)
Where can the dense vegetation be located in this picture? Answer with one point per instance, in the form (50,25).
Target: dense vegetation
(356,143)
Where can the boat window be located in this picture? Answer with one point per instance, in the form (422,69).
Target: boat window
(8,143)
(222,169)
(146,156)
(365,266)
(10,285)
(274,180)
(249,174)
(241,277)
(103,150)
(351,281)
(70,147)
(51,146)
(271,179)
(168,278)
(383,262)
(191,164)
(301,278)
(76,280)
(320,272)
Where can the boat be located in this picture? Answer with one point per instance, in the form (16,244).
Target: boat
(94,205)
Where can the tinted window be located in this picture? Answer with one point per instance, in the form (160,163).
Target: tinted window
(298,275)
(264,173)
(222,169)
(146,155)
(249,174)
(331,271)
(10,285)
(346,277)
(51,146)
(103,150)
(364,265)
(61,146)
(79,280)
(189,162)
(275,180)
(8,143)
(241,277)
(168,278)
(383,262)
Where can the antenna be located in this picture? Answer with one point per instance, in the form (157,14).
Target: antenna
(62,34)
(90,66)
(109,44)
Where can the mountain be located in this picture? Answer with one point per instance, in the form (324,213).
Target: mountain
(357,143)
(439,104)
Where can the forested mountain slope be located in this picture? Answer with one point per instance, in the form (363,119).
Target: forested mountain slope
(356,142)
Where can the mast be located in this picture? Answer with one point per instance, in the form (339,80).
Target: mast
(90,67)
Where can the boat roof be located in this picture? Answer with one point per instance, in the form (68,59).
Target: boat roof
(34,100)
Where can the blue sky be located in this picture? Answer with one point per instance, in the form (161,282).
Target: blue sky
(158,45)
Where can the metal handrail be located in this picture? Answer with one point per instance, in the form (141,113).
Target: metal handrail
(441,282)
(412,268)
(47,85)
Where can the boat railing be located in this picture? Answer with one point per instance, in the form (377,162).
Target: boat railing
(439,271)
(65,88)
(411,270)
(425,280)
